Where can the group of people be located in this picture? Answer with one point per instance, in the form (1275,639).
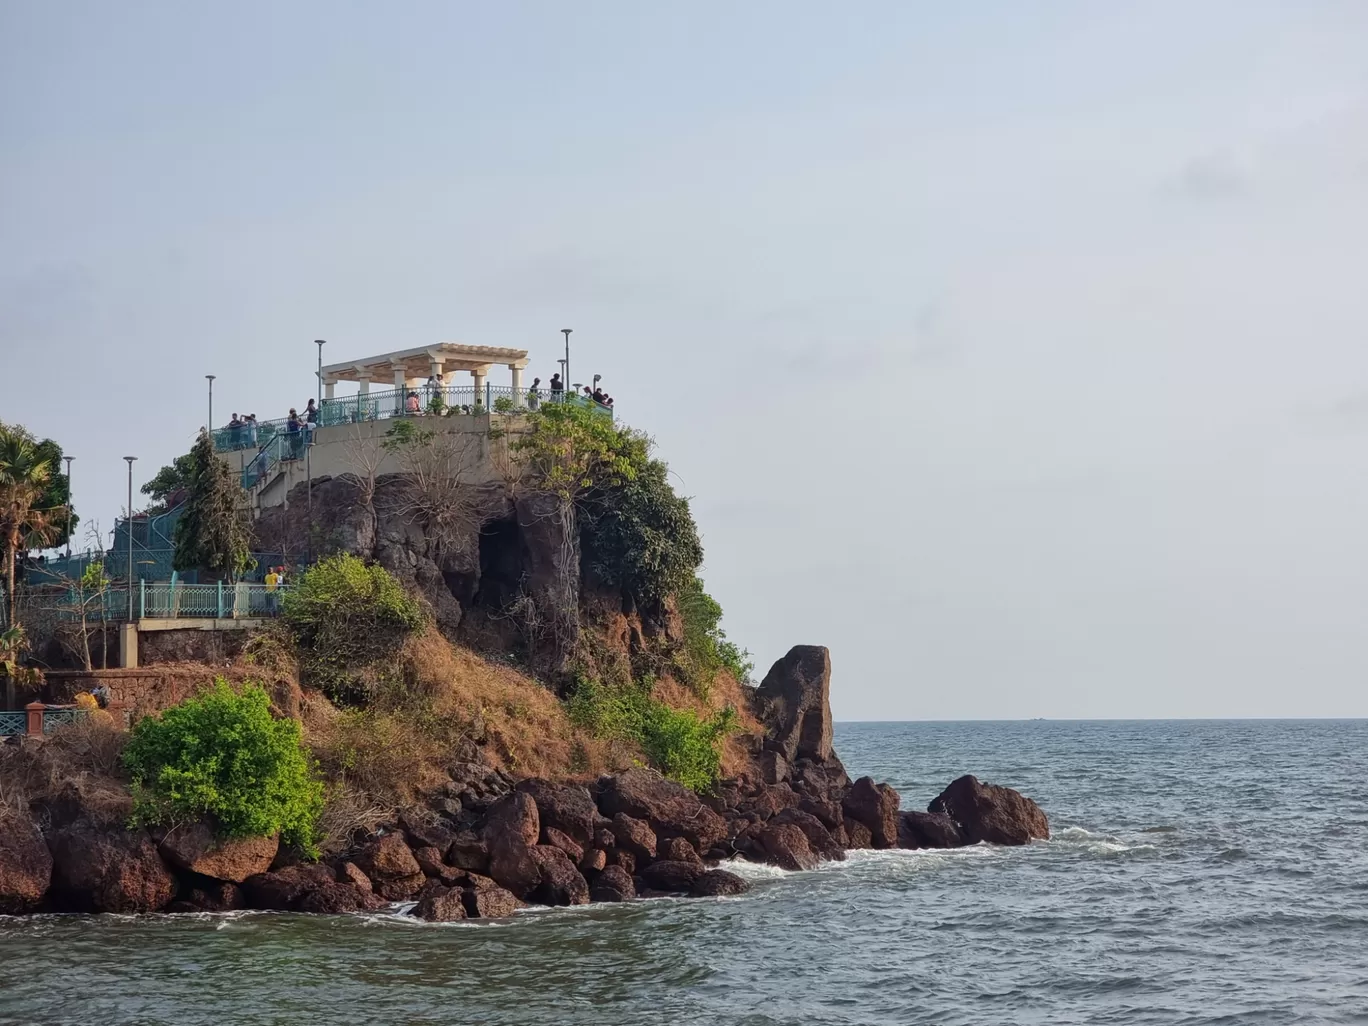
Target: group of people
(595,395)
(300,429)
(275,580)
(242,431)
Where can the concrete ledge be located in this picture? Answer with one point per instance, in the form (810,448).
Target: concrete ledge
(200,623)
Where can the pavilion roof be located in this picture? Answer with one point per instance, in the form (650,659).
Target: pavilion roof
(417,363)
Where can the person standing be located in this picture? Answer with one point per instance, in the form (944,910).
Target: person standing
(534,394)
(557,388)
(272,595)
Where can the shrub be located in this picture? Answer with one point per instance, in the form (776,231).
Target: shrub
(349,620)
(224,756)
(683,746)
(705,643)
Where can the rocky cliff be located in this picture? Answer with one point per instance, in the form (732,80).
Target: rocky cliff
(486,842)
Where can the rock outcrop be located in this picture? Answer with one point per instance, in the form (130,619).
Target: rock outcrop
(794,704)
(108,870)
(194,849)
(988,812)
(25,864)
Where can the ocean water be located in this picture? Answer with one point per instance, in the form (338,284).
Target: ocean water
(1200,872)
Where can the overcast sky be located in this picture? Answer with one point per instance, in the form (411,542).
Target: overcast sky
(1018,352)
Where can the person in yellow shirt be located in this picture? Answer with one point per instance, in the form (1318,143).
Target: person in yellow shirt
(272,595)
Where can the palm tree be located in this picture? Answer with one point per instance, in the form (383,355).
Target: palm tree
(24,476)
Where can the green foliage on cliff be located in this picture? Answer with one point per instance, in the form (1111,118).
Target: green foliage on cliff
(705,643)
(224,756)
(641,536)
(348,620)
(170,484)
(683,746)
(569,450)
(214,532)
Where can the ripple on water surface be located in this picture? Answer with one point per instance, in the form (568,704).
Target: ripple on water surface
(1190,880)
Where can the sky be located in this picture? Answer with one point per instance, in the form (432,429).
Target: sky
(1016,352)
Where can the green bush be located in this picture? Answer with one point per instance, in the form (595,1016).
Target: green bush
(224,756)
(677,742)
(349,620)
(705,643)
(640,536)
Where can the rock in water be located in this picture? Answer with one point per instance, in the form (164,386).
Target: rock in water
(513,819)
(613,884)
(793,702)
(336,898)
(283,889)
(929,830)
(671,877)
(108,870)
(391,867)
(634,835)
(717,883)
(876,806)
(25,864)
(561,883)
(194,848)
(441,906)
(987,812)
(784,845)
(487,900)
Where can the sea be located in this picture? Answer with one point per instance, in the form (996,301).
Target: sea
(1199,872)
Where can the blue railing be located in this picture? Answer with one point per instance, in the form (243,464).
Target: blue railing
(274,441)
(13,723)
(170,600)
(55,718)
(148,565)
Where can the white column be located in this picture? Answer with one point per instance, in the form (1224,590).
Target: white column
(515,369)
(365,386)
(399,390)
(328,387)
(479,376)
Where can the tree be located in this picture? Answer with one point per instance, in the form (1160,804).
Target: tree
(25,476)
(213,534)
(170,485)
(640,536)
(56,496)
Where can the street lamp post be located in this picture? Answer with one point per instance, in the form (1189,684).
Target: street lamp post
(211,404)
(68,463)
(308,473)
(128,525)
(566,333)
(320,342)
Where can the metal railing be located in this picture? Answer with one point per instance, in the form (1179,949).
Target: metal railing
(170,600)
(148,565)
(13,722)
(54,718)
(274,440)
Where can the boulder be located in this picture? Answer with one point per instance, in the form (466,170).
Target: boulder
(819,839)
(398,888)
(794,703)
(671,809)
(387,858)
(282,889)
(468,852)
(333,898)
(218,896)
(634,836)
(512,867)
(676,849)
(624,860)
(561,883)
(350,873)
(604,838)
(430,862)
(829,814)
(108,870)
(568,808)
(25,864)
(783,845)
(768,800)
(857,835)
(513,819)
(194,848)
(487,900)
(613,884)
(671,877)
(774,769)
(876,806)
(718,883)
(593,860)
(559,839)
(422,832)
(988,812)
(442,905)
(929,830)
